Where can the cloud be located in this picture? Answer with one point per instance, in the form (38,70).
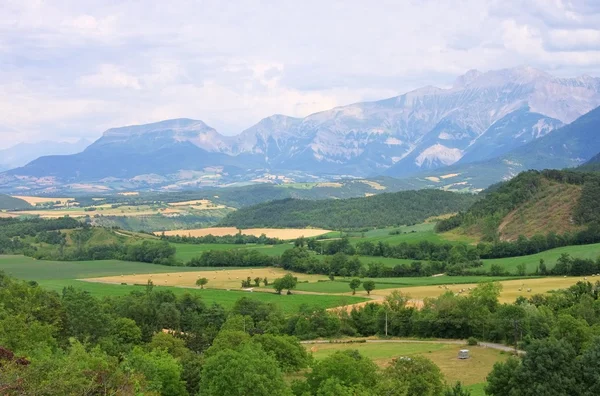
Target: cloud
(73,68)
(109,76)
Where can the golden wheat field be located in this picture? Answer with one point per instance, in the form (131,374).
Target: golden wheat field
(37,200)
(510,289)
(281,233)
(217,279)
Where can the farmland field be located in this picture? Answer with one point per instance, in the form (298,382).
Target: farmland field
(510,288)
(470,371)
(56,275)
(549,256)
(30,269)
(281,233)
(187,251)
(218,278)
(288,304)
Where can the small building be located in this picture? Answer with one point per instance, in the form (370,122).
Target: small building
(463,354)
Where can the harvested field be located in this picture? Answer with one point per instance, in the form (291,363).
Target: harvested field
(200,204)
(445,355)
(217,279)
(330,184)
(449,175)
(373,184)
(36,200)
(281,233)
(101,210)
(510,288)
(434,179)
(128,194)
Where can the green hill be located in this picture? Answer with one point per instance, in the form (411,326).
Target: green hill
(10,203)
(534,202)
(389,209)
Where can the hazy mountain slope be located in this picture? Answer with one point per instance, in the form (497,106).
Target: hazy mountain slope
(23,153)
(481,115)
(566,147)
(405,207)
(512,131)
(593,165)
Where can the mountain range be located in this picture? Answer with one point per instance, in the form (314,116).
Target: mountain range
(481,117)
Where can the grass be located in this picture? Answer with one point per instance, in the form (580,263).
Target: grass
(342,285)
(472,371)
(288,304)
(549,256)
(187,251)
(30,269)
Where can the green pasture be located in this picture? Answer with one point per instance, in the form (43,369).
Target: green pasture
(550,256)
(31,269)
(288,303)
(187,251)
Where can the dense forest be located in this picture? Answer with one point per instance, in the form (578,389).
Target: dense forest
(382,210)
(499,200)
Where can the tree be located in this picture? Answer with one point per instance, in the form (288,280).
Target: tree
(521,269)
(416,375)
(348,367)
(354,284)
(548,368)
(287,350)
(369,286)
(257,281)
(457,390)
(287,282)
(542,267)
(201,282)
(247,371)
(161,369)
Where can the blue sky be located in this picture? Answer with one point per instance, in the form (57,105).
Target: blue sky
(71,69)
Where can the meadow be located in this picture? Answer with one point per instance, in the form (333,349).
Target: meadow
(289,304)
(56,275)
(549,256)
(471,372)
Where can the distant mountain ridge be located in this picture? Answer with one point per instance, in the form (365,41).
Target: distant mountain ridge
(567,147)
(483,115)
(23,153)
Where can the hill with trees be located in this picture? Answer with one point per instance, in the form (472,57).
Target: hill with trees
(11,203)
(382,210)
(533,203)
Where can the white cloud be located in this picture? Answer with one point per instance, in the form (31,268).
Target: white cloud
(109,76)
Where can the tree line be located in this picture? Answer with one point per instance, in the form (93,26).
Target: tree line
(237,239)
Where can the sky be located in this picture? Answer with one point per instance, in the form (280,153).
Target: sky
(71,69)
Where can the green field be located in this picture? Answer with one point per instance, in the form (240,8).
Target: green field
(289,304)
(56,275)
(342,285)
(549,256)
(471,372)
(31,269)
(187,251)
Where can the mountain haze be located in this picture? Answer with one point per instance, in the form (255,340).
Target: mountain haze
(482,116)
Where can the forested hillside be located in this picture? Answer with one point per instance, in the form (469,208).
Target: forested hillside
(11,203)
(534,202)
(407,207)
